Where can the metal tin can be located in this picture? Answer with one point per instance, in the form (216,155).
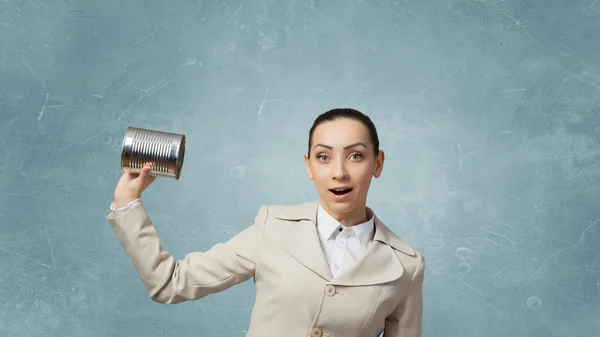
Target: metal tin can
(165,150)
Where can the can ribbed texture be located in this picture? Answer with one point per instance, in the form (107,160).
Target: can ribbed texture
(165,150)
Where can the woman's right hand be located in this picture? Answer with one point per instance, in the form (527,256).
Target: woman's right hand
(131,185)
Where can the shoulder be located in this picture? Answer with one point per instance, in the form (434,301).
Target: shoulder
(300,211)
(411,258)
(276,220)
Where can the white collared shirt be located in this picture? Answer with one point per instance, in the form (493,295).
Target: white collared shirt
(342,245)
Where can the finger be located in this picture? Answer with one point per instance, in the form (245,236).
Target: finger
(145,176)
(145,171)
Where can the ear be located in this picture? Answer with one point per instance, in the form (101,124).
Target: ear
(379,164)
(307,166)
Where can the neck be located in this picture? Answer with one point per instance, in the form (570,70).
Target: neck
(351,216)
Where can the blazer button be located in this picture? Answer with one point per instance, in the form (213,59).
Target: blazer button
(330,290)
(316,332)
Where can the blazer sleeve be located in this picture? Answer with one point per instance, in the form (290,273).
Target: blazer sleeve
(406,319)
(199,274)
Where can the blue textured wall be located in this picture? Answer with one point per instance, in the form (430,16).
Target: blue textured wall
(487,111)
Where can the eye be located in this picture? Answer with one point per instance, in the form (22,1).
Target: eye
(319,156)
(356,154)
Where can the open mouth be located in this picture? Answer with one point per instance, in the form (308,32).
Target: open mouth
(341,191)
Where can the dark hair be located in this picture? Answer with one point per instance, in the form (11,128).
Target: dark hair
(340,113)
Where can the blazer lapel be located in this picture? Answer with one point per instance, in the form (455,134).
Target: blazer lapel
(302,240)
(379,264)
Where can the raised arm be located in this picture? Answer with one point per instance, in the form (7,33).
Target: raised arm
(199,274)
(406,320)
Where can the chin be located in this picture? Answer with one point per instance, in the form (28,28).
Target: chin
(341,206)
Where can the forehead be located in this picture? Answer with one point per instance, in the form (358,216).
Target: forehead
(341,132)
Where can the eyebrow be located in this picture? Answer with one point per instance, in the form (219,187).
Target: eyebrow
(345,148)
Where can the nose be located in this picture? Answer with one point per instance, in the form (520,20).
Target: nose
(339,172)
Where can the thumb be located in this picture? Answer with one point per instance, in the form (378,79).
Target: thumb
(144,176)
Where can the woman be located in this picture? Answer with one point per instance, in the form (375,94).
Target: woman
(328,267)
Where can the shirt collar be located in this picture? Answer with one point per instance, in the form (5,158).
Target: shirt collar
(327,226)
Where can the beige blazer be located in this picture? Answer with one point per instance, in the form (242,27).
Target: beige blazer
(296,294)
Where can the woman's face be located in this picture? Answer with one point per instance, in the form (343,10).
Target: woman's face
(342,156)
